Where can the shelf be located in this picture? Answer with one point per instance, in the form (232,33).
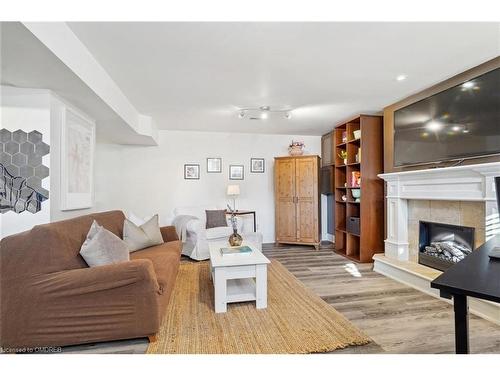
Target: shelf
(353,187)
(352,202)
(353,164)
(354,234)
(341,230)
(341,252)
(341,166)
(341,201)
(354,140)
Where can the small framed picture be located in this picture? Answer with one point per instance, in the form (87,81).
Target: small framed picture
(257,165)
(191,171)
(214,165)
(236,172)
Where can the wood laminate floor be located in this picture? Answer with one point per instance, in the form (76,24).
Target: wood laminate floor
(398,318)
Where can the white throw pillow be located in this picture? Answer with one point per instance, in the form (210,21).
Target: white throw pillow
(137,220)
(145,235)
(102,247)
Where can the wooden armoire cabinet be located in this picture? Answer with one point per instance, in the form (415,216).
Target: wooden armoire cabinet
(296,190)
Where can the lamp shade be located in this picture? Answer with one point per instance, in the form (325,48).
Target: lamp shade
(233,190)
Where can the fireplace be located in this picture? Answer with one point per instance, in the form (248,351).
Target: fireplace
(443,245)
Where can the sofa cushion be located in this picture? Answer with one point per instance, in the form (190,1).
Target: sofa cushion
(140,237)
(103,247)
(165,259)
(219,232)
(216,218)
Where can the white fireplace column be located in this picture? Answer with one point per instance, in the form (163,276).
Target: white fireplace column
(463,183)
(396,243)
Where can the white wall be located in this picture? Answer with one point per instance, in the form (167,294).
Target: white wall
(148,180)
(28,110)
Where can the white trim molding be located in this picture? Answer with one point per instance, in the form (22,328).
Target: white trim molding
(463,183)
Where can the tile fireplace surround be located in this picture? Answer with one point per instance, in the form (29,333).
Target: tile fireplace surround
(461,195)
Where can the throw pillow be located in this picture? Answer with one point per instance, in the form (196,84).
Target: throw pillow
(103,247)
(216,218)
(138,220)
(145,235)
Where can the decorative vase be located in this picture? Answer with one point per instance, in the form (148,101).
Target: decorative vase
(356,194)
(345,161)
(295,150)
(235,239)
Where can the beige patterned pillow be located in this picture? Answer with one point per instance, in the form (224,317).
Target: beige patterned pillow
(102,247)
(140,237)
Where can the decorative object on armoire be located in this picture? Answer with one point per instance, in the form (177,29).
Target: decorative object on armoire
(344,197)
(296,188)
(363,244)
(191,171)
(233,191)
(296,148)
(22,171)
(343,155)
(257,165)
(214,165)
(234,239)
(77,161)
(236,172)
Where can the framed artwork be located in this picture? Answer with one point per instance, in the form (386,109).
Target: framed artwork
(214,165)
(257,165)
(77,161)
(191,171)
(236,172)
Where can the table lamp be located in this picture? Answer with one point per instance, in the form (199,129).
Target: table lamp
(233,191)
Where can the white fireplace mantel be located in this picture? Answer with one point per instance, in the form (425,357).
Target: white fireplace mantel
(462,183)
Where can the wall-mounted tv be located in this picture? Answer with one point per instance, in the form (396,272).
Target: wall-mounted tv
(458,123)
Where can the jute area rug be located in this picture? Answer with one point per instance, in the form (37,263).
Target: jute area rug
(295,321)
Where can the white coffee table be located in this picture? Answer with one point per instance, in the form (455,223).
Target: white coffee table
(238,278)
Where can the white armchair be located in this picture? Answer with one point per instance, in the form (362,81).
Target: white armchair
(190,223)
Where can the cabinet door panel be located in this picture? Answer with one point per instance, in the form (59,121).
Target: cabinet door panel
(286,222)
(307,194)
(285,178)
(286,227)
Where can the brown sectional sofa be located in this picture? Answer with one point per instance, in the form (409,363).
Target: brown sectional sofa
(50,297)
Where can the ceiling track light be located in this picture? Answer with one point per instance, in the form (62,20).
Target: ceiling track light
(263,112)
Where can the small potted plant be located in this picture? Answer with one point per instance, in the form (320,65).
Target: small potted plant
(343,155)
(296,148)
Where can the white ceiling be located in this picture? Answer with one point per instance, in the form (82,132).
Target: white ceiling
(26,62)
(193,76)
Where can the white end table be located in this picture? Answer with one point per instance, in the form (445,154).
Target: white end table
(238,278)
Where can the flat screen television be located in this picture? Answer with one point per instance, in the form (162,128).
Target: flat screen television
(459,123)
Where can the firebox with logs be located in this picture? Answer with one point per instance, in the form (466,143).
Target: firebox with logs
(443,245)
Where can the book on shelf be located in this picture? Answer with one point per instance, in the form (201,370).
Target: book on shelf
(244,250)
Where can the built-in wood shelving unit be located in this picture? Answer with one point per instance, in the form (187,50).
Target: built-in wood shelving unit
(370,209)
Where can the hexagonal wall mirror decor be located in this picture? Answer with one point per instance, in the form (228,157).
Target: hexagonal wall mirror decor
(22,171)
